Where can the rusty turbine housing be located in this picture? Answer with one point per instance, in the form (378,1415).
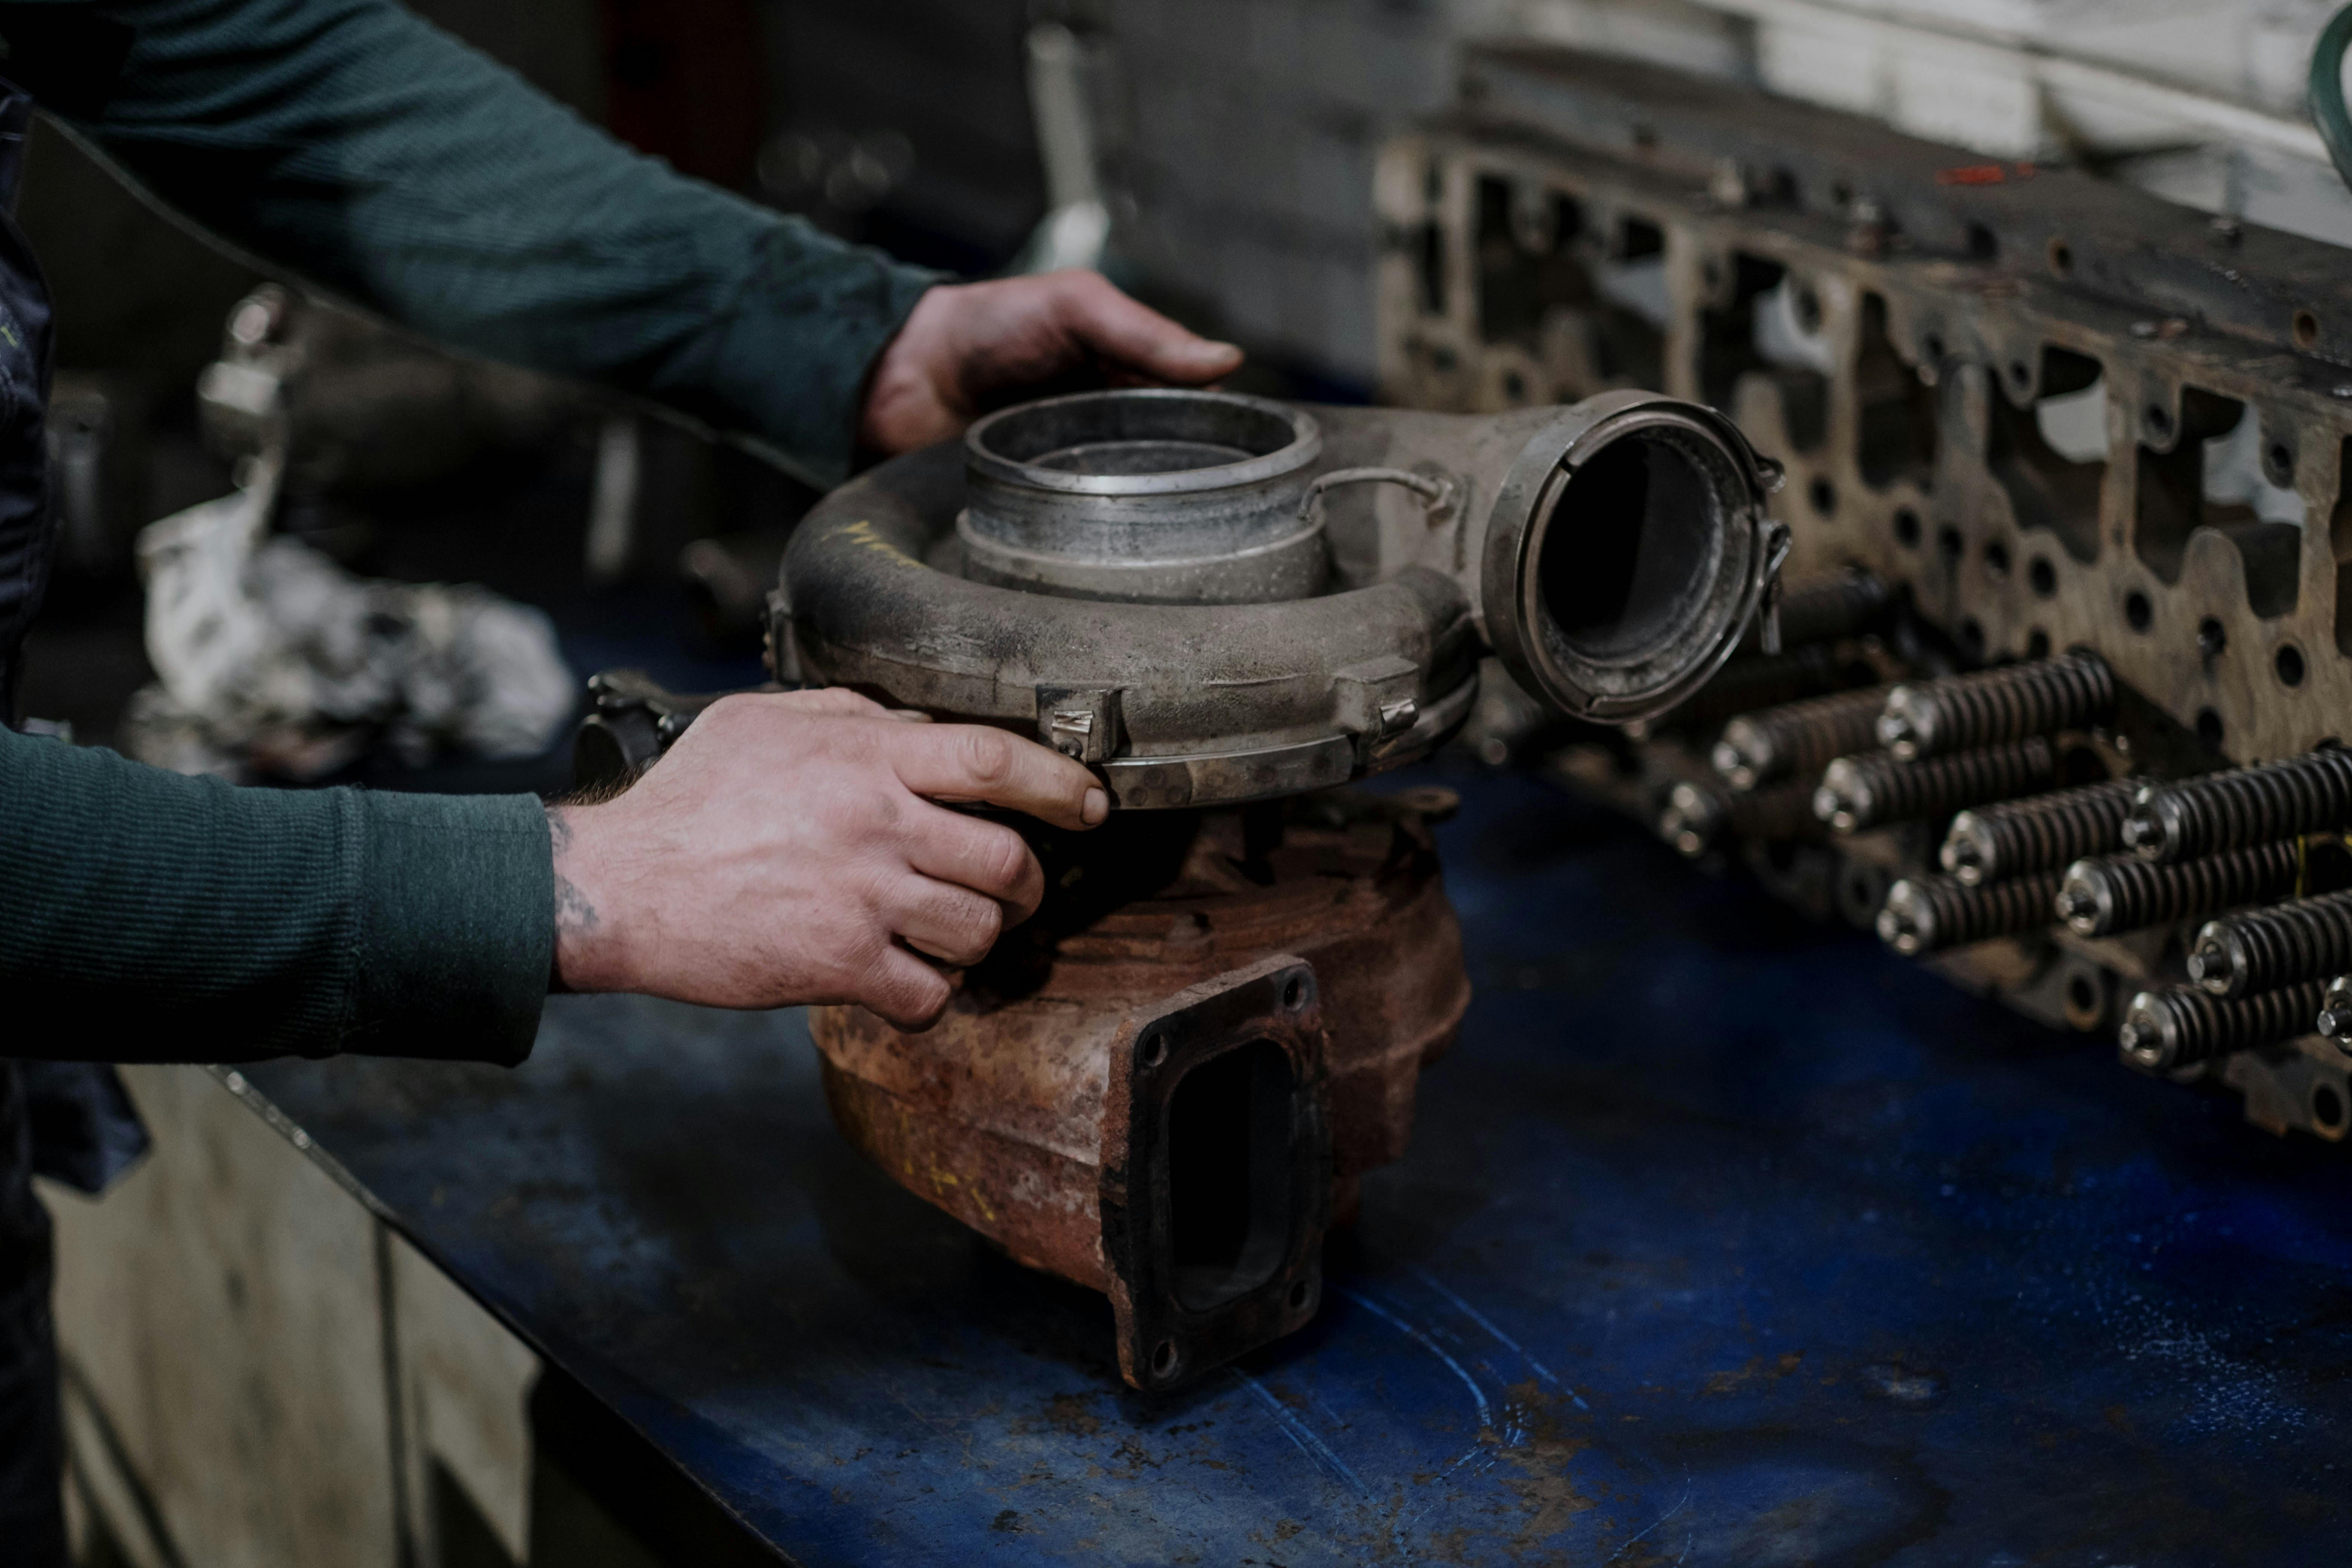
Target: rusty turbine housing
(1167,1084)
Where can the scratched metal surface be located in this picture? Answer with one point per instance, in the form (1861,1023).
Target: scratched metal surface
(1723,1239)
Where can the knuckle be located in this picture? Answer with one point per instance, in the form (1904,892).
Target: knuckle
(1006,860)
(862,815)
(984,924)
(986,755)
(914,994)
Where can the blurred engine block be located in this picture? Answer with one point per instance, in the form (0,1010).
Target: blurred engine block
(2036,426)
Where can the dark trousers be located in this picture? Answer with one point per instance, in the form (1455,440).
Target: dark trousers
(32,1441)
(32,1438)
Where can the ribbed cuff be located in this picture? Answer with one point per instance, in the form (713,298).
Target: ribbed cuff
(457,929)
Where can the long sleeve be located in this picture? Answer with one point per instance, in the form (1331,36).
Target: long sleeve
(353,142)
(158,917)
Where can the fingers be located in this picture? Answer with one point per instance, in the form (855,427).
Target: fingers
(969,761)
(829,701)
(1133,335)
(905,991)
(954,925)
(985,856)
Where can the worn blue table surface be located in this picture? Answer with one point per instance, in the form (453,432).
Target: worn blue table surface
(1723,1239)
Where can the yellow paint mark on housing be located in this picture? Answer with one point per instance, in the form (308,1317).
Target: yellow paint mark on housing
(864,532)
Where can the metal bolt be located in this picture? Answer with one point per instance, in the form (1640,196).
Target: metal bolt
(2165,1030)
(2197,816)
(1862,792)
(2110,893)
(2336,1013)
(1958,712)
(2041,833)
(1692,819)
(1924,914)
(1794,738)
(2262,950)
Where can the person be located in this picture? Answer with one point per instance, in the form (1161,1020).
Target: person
(788,849)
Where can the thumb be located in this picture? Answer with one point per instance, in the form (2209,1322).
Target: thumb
(1132,334)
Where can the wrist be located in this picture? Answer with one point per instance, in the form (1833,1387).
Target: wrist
(903,406)
(591,946)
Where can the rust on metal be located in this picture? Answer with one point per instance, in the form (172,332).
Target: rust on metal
(1010,1112)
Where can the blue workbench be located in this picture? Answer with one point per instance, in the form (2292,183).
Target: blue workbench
(1723,1239)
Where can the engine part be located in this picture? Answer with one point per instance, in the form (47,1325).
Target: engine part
(1150,497)
(2336,1013)
(1872,790)
(1161,1086)
(2264,950)
(1696,819)
(1164,1086)
(634,720)
(2197,816)
(2164,1031)
(1794,738)
(1834,608)
(2045,411)
(1962,712)
(2120,893)
(2040,833)
(1611,555)
(2049,410)
(1924,914)
(1754,681)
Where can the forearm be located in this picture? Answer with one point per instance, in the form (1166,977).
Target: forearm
(355,144)
(147,917)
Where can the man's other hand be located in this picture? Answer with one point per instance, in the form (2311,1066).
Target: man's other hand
(965,346)
(788,849)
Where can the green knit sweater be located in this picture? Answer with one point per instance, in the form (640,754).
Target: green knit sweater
(163,918)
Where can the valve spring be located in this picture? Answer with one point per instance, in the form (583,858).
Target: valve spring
(1862,792)
(2116,892)
(1828,609)
(1925,913)
(1695,817)
(2045,832)
(1936,717)
(2183,820)
(2262,950)
(1797,738)
(2167,1029)
(1760,681)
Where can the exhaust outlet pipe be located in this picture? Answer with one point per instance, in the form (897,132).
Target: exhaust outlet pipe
(1626,554)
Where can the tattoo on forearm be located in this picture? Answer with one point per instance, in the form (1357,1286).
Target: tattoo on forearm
(573,911)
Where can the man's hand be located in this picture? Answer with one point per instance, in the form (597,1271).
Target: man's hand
(787,850)
(966,345)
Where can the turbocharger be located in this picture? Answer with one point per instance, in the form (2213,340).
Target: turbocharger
(1216,598)
(1169,1083)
